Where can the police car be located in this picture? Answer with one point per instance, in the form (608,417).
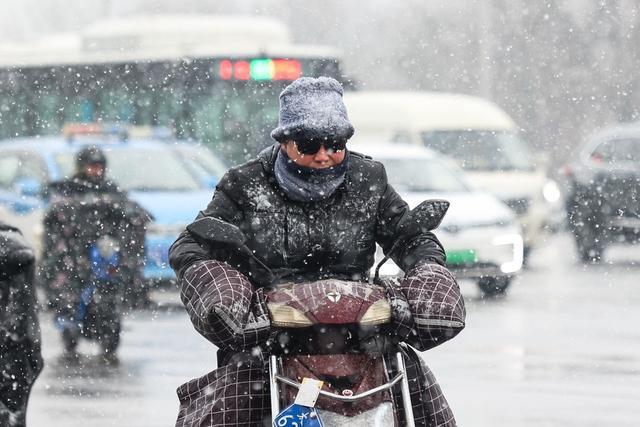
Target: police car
(145,165)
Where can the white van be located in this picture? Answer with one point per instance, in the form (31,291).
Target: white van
(474,132)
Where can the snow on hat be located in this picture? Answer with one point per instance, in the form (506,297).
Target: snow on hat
(312,108)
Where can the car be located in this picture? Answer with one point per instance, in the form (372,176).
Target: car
(603,191)
(481,137)
(147,167)
(201,161)
(481,235)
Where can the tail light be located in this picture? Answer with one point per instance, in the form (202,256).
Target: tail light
(379,313)
(566,171)
(596,158)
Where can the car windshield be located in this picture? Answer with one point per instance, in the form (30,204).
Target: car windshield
(618,151)
(482,150)
(416,174)
(140,170)
(201,161)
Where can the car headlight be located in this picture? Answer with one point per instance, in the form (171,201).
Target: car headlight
(285,316)
(551,191)
(517,244)
(377,314)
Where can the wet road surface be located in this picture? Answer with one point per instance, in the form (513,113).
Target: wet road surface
(562,349)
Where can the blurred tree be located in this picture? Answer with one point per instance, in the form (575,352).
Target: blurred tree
(533,60)
(613,40)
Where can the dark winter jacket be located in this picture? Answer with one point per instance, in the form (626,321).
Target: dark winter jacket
(306,241)
(79,185)
(80,212)
(303,241)
(20,359)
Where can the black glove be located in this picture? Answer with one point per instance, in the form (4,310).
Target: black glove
(402,323)
(258,329)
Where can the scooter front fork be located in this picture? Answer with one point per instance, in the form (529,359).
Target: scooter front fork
(406,394)
(274,388)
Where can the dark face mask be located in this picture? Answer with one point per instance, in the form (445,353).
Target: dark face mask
(306,184)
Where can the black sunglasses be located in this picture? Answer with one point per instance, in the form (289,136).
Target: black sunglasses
(312,146)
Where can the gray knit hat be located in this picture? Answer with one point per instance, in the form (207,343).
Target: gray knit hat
(312,108)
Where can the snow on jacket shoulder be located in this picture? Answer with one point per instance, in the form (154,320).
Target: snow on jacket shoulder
(335,237)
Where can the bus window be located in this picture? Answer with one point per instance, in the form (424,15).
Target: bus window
(228,101)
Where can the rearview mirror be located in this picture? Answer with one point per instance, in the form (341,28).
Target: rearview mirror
(214,230)
(425,217)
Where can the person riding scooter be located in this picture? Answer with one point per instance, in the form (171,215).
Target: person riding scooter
(93,236)
(310,210)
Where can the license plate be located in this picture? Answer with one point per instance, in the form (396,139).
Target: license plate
(465,256)
(298,416)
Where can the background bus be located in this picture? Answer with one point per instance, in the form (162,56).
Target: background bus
(212,78)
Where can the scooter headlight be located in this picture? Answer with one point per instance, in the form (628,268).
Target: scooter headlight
(285,316)
(377,314)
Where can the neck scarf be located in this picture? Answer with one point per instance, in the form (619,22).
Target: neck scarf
(304,184)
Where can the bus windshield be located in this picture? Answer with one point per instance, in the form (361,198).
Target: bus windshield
(482,150)
(224,95)
(187,98)
(167,173)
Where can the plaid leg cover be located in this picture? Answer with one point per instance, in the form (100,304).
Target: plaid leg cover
(430,407)
(436,304)
(226,310)
(233,395)
(223,306)
(237,395)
